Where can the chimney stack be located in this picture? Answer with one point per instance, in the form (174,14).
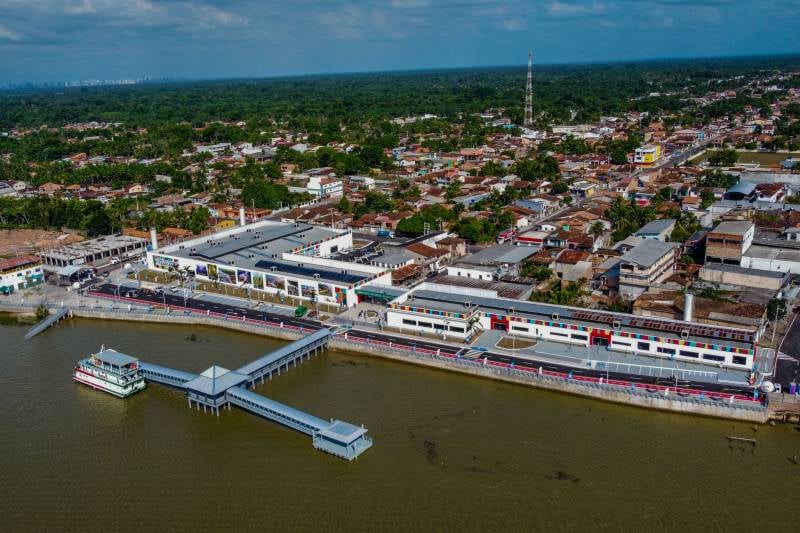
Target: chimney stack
(241,216)
(153,239)
(688,306)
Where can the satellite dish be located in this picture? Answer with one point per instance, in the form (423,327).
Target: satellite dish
(76,285)
(767,386)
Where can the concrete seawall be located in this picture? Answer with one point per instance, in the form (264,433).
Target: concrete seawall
(651,401)
(609,393)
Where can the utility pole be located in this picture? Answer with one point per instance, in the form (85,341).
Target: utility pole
(529,94)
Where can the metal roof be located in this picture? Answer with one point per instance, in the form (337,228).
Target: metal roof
(280,353)
(745,188)
(394,258)
(342,432)
(504,253)
(656,227)
(380,291)
(215,381)
(302,417)
(342,276)
(113,357)
(243,240)
(648,252)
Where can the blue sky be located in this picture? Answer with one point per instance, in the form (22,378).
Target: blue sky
(43,40)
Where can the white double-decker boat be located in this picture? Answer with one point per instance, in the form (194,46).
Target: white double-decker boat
(112,372)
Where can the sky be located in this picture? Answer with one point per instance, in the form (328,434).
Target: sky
(67,40)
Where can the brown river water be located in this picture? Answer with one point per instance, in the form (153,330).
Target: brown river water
(451,452)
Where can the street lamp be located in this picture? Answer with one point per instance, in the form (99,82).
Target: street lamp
(511,312)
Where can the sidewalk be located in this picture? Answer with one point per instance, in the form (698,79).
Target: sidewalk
(600,358)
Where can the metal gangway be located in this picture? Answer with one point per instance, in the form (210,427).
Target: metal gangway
(166,375)
(47,322)
(290,354)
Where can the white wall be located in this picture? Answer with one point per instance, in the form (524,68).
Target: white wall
(466,272)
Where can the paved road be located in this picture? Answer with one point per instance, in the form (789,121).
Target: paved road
(787,368)
(176,300)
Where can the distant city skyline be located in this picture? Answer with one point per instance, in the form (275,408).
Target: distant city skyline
(72,40)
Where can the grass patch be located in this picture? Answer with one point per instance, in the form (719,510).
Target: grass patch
(511,344)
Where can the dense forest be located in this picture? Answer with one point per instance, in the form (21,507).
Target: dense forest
(333,103)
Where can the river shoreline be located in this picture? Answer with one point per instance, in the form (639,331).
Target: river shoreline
(645,398)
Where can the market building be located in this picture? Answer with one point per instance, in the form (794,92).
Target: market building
(276,258)
(463,312)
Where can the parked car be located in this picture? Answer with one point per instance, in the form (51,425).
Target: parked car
(300,311)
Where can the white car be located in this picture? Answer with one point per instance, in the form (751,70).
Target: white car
(114,260)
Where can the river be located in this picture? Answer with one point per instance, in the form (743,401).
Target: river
(451,452)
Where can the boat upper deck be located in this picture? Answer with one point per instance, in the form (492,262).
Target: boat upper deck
(113,361)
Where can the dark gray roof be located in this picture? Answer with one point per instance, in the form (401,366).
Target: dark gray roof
(745,188)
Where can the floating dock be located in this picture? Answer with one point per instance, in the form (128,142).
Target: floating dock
(217,388)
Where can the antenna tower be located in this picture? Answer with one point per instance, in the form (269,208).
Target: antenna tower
(529,94)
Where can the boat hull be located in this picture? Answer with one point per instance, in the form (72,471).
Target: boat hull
(120,391)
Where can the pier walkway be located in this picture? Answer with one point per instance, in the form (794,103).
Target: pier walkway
(290,354)
(335,437)
(217,388)
(47,322)
(165,375)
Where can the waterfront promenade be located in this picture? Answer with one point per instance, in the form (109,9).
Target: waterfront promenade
(699,399)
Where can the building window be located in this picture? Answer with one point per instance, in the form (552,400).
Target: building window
(579,337)
(456,329)
(557,334)
(519,328)
(620,343)
(644,346)
(440,327)
(407,322)
(711,357)
(687,353)
(667,351)
(425,324)
(739,360)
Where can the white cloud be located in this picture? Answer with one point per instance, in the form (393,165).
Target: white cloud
(9,35)
(560,9)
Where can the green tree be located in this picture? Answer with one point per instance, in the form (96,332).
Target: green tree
(98,223)
(344,205)
(453,190)
(198,220)
(723,158)
(776,309)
